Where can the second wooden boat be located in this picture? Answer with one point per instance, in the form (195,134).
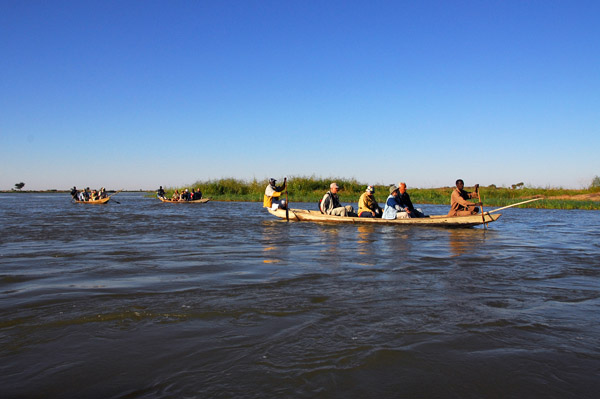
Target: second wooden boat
(200,201)
(100,201)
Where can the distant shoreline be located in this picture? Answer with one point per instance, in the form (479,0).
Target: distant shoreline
(491,197)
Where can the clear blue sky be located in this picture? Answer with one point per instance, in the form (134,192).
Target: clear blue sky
(137,94)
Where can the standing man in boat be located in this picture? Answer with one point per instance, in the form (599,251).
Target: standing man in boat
(394,207)
(368,206)
(75,193)
(405,198)
(160,193)
(272,194)
(330,204)
(459,206)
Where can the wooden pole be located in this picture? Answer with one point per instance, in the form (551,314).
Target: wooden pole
(481,206)
(287,204)
(518,203)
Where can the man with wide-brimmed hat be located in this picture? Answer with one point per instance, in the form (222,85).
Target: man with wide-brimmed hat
(394,208)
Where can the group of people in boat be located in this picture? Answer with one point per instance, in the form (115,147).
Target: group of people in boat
(398,204)
(185,195)
(88,195)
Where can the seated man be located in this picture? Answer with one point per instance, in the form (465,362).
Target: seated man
(272,194)
(368,206)
(197,195)
(459,206)
(394,208)
(405,198)
(330,204)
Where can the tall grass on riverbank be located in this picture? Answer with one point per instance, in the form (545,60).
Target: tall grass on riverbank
(311,189)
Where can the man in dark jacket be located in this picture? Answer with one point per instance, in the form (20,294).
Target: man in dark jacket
(405,198)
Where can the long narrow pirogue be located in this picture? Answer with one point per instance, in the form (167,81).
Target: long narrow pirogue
(200,201)
(304,215)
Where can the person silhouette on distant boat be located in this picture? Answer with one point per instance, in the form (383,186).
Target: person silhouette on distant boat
(160,193)
(196,195)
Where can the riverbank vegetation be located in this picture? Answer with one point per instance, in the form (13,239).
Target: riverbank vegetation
(311,189)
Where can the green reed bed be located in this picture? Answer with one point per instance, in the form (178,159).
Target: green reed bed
(311,189)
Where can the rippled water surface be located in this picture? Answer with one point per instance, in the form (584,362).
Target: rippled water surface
(140,299)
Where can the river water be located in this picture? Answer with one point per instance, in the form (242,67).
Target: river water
(140,299)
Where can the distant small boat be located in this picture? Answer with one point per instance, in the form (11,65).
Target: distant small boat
(200,201)
(304,215)
(99,201)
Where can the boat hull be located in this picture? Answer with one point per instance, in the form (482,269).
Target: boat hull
(303,215)
(100,201)
(200,201)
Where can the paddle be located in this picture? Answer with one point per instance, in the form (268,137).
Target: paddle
(481,205)
(287,204)
(110,196)
(510,206)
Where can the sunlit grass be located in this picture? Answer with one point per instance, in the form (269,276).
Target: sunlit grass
(311,189)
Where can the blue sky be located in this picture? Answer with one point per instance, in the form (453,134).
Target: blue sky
(137,94)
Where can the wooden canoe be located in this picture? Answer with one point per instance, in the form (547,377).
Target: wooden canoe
(100,201)
(200,201)
(304,215)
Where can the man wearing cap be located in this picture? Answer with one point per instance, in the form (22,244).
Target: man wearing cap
(367,204)
(272,194)
(459,206)
(394,207)
(330,204)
